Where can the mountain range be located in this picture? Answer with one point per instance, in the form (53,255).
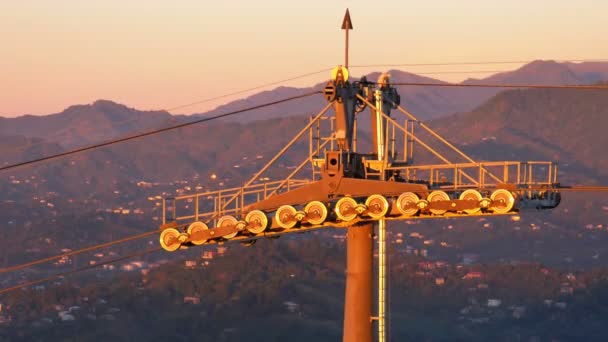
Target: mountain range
(431,102)
(537,124)
(563,125)
(102,120)
(84,124)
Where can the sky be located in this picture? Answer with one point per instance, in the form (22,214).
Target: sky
(158,54)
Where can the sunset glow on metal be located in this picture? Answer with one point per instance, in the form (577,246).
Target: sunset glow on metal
(260,171)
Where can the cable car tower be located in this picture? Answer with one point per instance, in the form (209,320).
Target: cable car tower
(353,190)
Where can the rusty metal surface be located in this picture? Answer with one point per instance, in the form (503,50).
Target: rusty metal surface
(358,292)
(354,174)
(215,234)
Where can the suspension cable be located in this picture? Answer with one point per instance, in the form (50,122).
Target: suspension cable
(481,85)
(80,251)
(35,282)
(156,131)
(81,269)
(247,90)
(388,65)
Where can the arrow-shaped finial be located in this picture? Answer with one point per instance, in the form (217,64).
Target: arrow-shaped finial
(347,24)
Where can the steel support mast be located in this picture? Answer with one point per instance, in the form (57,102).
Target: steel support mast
(349,189)
(359,254)
(358,294)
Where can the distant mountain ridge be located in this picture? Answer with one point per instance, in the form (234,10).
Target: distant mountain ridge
(18,148)
(102,120)
(554,124)
(84,124)
(563,125)
(545,72)
(430,102)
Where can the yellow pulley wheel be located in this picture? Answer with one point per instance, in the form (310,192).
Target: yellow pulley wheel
(335,72)
(438,196)
(407,203)
(169,239)
(286,217)
(346,209)
(471,195)
(194,230)
(377,206)
(228,221)
(257,221)
(502,201)
(316,212)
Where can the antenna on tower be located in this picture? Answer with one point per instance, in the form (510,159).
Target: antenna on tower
(347,25)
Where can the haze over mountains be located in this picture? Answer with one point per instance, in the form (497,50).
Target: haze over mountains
(84,124)
(551,72)
(114,192)
(537,124)
(432,102)
(425,102)
(564,125)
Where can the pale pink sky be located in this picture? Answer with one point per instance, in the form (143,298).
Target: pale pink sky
(156,54)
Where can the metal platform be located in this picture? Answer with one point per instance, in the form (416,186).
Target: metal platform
(403,189)
(347,188)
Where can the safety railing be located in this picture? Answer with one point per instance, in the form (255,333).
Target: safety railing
(211,205)
(482,175)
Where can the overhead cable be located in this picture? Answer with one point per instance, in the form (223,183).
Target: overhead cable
(156,131)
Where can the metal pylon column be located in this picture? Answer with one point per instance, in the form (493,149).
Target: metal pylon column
(358,294)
